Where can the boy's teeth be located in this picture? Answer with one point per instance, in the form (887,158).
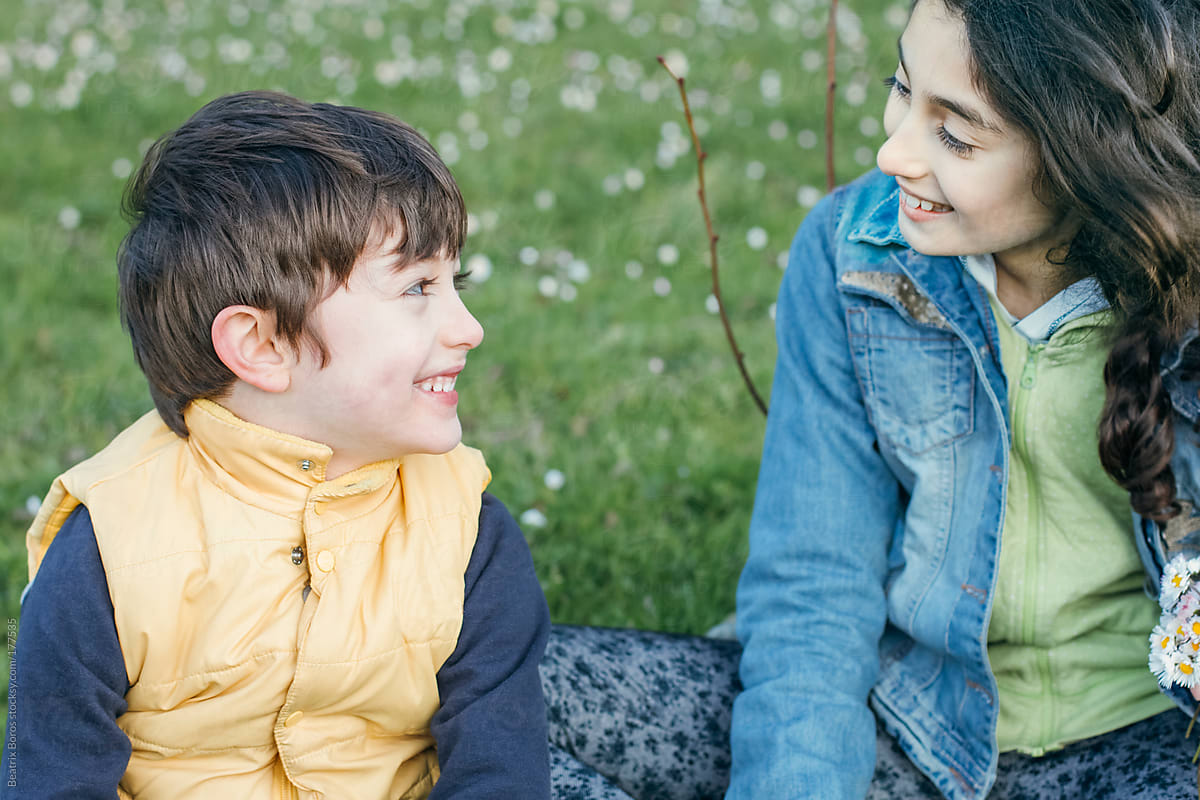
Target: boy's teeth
(911,201)
(926,205)
(438,384)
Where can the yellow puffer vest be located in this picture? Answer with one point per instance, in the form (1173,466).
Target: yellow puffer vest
(251,675)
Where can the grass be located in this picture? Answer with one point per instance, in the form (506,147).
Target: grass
(564,134)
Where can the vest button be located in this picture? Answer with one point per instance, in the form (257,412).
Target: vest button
(325,561)
(297,555)
(292,718)
(306,465)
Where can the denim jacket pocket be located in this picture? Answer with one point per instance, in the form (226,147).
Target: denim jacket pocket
(917,380)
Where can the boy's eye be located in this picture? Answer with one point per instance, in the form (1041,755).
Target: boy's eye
(894,83)
(418,288)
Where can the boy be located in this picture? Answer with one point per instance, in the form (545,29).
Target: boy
(288,582)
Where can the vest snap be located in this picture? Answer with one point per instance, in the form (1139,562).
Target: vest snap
(306,465)
(325,561)
(297,555)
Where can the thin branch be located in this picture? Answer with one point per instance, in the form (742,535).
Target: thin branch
(830,85)
(712,240)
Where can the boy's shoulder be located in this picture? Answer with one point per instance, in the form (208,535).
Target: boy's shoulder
(142,441)
(139,444)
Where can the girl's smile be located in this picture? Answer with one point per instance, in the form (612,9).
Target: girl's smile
(919,209)
(965,175)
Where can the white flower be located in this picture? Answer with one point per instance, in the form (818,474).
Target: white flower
(69,218)
(1160,665)
(1189,603)
(554,479)
(1177,577)
(1162,640)
(1184,671)
(756,237)
(480,267)
(677,61)
(1175,650)
(533,518)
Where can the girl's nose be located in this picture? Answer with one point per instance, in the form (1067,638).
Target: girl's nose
(899,156)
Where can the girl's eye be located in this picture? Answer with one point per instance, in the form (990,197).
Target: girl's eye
(954,145)
(460,280)
(893,83)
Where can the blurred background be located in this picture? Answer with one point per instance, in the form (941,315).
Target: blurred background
(605,396)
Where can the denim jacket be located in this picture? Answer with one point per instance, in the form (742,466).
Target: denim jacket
(875,538)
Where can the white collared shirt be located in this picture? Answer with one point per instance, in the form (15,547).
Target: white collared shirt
(1080,298)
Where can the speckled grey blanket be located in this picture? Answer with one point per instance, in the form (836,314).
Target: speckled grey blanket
(646,715)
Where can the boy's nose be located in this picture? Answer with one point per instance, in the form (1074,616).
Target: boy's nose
(463,330)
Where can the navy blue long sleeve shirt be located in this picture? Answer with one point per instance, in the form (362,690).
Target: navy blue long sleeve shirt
(68,685)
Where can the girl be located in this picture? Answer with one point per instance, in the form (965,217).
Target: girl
(986,353)
(984,360)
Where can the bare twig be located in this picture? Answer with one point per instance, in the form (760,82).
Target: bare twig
(830,85)
(712,239)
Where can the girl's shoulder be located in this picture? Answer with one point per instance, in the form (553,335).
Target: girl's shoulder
(867,209)
(864,211)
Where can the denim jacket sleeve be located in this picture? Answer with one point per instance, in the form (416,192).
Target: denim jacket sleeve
(811,605)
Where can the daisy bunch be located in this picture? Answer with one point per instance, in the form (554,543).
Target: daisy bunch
(1175,641)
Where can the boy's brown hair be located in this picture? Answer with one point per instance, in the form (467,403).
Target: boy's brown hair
(264,200)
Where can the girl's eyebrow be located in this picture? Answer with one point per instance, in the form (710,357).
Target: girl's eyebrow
(971,116)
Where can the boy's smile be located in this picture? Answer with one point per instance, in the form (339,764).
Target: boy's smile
(397,340)
(441,386)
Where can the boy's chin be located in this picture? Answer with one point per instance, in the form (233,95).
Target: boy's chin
(436,447)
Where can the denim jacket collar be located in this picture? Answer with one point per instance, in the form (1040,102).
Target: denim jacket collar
(881,225)
(938,276)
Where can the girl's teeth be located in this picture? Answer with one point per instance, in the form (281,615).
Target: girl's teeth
(924,205)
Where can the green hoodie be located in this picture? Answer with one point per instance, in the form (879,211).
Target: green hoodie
(1070,623)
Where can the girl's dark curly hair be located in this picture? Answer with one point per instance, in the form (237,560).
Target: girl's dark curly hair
(1107,92)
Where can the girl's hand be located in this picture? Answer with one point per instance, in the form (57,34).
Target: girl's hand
(1195,690)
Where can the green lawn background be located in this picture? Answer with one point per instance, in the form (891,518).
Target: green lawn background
(604,396)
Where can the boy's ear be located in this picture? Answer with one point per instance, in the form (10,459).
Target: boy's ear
(246,341)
